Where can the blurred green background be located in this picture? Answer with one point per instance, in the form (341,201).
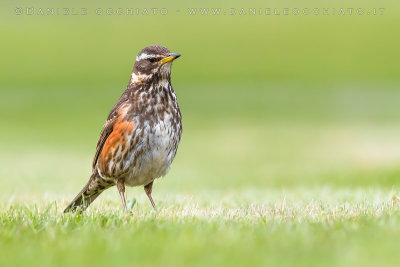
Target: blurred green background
(269,103)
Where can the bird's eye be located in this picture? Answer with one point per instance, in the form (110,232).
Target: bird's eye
(153,59)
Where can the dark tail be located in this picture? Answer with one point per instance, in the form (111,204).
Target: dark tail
(89,193)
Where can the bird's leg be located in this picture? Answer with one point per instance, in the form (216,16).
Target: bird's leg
(121,189)
(148,188)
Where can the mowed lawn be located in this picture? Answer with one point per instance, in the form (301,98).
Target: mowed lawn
(280,175)
(321,227)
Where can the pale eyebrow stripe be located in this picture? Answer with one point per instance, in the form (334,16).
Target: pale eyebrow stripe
(146,56)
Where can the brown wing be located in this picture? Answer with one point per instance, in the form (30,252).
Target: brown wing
(109,126)
(105,132)
(111,161)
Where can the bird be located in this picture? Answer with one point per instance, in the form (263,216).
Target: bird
(140,137)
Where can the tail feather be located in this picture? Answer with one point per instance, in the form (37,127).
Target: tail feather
(89,193)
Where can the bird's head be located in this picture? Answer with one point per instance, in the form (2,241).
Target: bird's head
(153,62)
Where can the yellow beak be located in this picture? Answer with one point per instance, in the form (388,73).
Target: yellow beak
(171,57)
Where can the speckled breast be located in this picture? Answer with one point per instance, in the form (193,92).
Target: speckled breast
(144,139)
(159,137)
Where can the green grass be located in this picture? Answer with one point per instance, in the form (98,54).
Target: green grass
(258,227)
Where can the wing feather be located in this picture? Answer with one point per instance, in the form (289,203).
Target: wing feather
(109,126)
(105,133)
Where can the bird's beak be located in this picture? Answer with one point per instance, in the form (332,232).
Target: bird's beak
(171,57)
